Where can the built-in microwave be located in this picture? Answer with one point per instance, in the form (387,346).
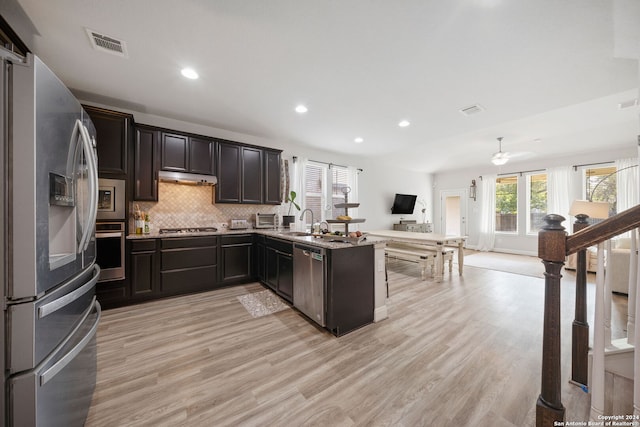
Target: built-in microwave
(111,199)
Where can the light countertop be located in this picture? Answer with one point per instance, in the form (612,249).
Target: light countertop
(324,242)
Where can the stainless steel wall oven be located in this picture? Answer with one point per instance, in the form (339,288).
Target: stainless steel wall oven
(110,238)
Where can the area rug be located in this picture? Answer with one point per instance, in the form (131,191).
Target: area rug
(262,303)
(509,263)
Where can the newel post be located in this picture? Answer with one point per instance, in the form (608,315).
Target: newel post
(552,241)
(580,330)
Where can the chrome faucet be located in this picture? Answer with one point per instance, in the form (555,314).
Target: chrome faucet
(302,217)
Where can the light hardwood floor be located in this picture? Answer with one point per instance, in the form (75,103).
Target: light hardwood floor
(464,352)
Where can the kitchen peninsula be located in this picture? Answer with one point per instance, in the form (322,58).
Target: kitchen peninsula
(352,280)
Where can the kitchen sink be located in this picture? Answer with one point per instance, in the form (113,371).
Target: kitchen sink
(294,233)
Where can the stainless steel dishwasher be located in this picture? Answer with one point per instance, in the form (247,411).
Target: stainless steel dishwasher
(309,282)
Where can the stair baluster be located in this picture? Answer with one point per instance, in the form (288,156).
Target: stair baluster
(606,323)
(633,289)
(636,338)
(597,372)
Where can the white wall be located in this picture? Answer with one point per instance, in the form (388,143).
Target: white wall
(519,244)
(378,185)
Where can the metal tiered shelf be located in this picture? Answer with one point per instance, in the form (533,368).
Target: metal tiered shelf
(346,206)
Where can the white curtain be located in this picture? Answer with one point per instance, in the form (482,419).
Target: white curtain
(626,183)
(559,194)
(487,235)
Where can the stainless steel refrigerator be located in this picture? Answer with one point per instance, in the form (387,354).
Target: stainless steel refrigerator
(50,188)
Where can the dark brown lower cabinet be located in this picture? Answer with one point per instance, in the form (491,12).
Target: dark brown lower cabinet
(188,264)
(279,267)
(350,288)
(112,294)
(236,255)
(144,269)
(259,261)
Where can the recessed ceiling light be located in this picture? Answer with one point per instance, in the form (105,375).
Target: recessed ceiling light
(301,109)
(358,140)
(189,73)
(404,123)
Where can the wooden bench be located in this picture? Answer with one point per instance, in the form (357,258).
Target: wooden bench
(424,256)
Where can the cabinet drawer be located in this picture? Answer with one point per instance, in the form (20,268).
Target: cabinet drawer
(186,258)
(189,242)
(190,280)
(280,245)
(143,245)
(236,240)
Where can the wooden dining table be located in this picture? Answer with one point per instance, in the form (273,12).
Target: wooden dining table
(439,241)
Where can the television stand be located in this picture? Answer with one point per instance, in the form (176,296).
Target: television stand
(412,225)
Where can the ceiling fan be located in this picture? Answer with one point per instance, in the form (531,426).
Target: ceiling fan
(501,157)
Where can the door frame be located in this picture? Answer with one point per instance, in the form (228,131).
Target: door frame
(463,194)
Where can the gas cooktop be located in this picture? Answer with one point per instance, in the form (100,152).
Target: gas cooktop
(188,230)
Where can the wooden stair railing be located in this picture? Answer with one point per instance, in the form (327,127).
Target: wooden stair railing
(553,247)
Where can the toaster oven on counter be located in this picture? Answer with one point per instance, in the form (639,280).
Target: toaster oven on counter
(266,220)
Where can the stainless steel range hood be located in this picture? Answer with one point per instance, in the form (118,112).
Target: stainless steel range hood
(187,178)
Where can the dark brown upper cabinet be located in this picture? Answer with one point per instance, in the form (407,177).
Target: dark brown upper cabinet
(201,152)
(272,177)
(247,174)
(251,175)
(113,130)
(228,170)
(146,159)
(175,152)
(182,153)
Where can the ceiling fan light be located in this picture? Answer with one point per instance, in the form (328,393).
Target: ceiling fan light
(499,158)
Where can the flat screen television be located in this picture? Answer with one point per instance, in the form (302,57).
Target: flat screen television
(403,204)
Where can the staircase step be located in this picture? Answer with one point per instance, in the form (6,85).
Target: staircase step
(618,358)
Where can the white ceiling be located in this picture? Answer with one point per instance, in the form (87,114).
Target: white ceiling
(542,69)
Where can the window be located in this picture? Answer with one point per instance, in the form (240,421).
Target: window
(600,186)
(536,202)
(323,189)
(507,204)
(314,184)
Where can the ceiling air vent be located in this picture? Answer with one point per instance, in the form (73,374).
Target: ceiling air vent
(108,44)
(628,104)
(472,109)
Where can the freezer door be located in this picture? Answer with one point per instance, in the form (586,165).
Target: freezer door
(38,327)
(54,177)
(59,391)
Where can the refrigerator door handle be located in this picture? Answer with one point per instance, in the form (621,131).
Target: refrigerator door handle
(93,186)
(55,305)
(48,375)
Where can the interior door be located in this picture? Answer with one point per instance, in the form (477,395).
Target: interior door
(453,212)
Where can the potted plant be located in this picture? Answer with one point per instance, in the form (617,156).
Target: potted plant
(289,219)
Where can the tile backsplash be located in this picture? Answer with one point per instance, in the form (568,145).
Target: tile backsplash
(182,206)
